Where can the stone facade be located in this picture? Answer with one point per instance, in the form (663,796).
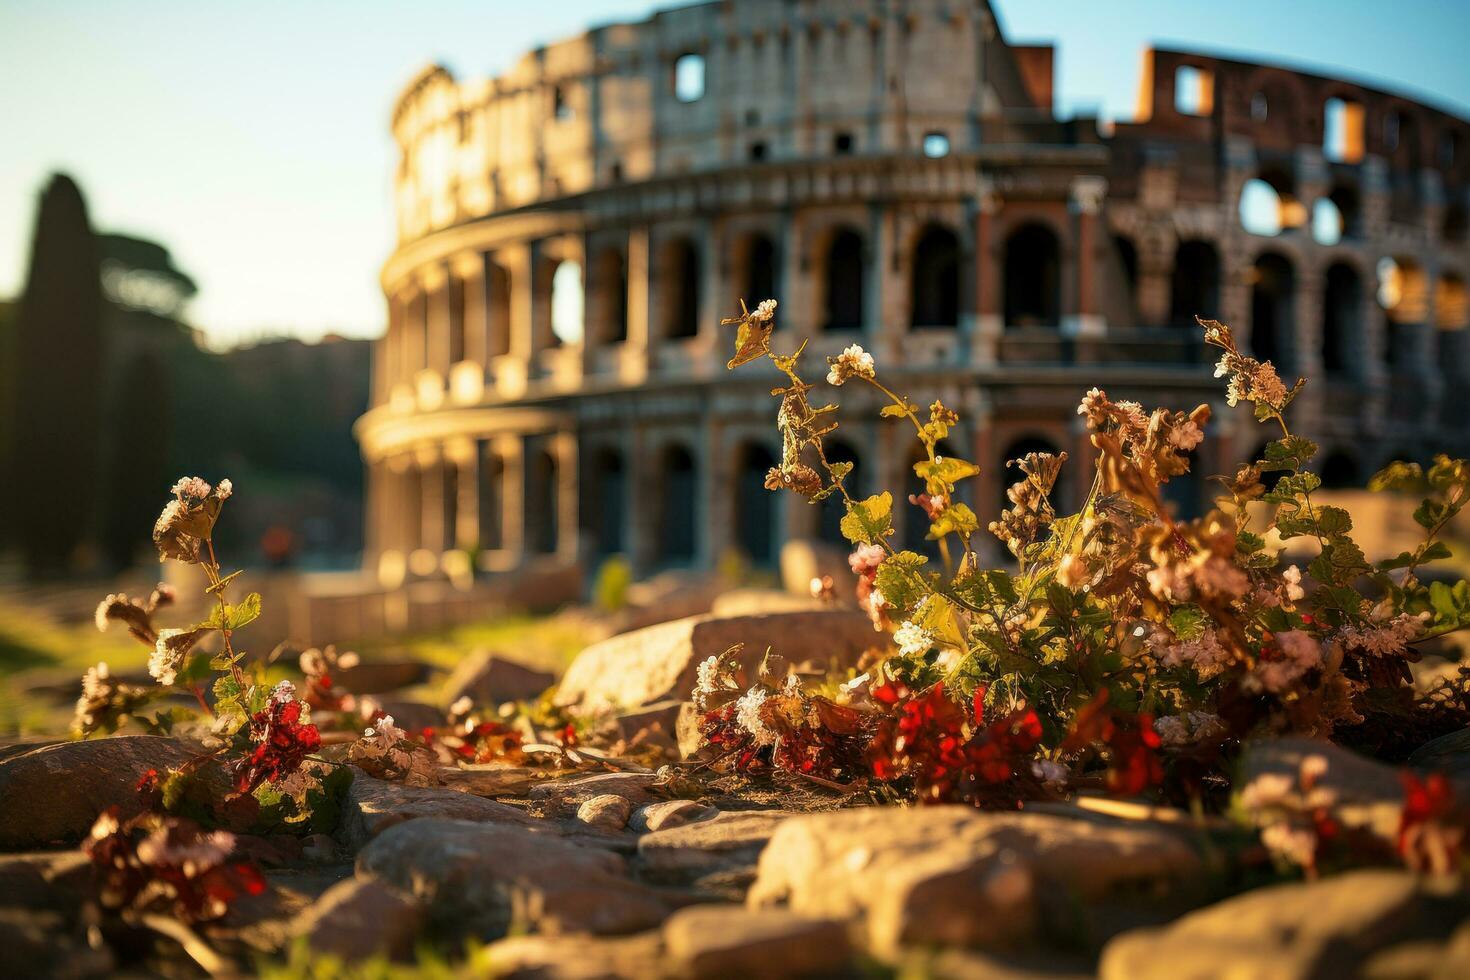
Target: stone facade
(551,388)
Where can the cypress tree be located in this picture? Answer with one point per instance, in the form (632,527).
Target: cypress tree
(58,361)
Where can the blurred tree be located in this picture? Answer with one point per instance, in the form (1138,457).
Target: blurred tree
(58,362)
(139,421)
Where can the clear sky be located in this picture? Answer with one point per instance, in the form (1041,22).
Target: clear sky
(251,138)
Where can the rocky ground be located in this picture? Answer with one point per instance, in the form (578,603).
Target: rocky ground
(613,868)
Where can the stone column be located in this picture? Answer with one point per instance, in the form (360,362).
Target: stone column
(1085,202)
(438,325)
(461,453)
(432,536)
(642,522)
(512,452)
(639,346)
(796,313)
(1153,293)
(518,262)
(887,313)
(715,505)
(564,449)
(984,348)
(471,271)
(713,295)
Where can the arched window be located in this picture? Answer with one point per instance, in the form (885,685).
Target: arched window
(1326,222)
(1194,91)
(1269,204)
(1455,224)
(843,282)
(1342,131)
(457,289)
(758,271)
(1195,283)
(567,303)
(1271,310)
(830,527)
(681,278)
(1451,317)
(934,293)
(679,486)
(1010,475)
(1339,471)
(1127,254)
(1342,305)
(1345,198)
(604,502)
(612,296)
(1403,292)
(689,77)
(542,518)
(756,521)
(497,311)
(1033,277)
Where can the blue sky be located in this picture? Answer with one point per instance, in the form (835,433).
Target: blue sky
(251,138)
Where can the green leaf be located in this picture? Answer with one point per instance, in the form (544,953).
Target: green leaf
(901,579)
(954,519)
(1333,522)
(946,470)
(892,411)
(868,521)
(245,613)
(1248,543)
(1187,622)
(1290,453)
(1399,476)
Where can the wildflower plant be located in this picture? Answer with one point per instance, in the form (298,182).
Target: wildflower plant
(1122,636)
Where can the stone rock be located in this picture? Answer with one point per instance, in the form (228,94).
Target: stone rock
(381,676)
(576,957)
(670,814)
(488,780)
(478,878)
(953,876)
(969,964)
(565,795)
(710,941)
(1313,930)
(606,812)
(1370,793)
(686,728)
(655,725)
(54,794)
(666,596)
(489,678)
(39,943)
(725,841)
(661,662)
(756,602)
(1449,754)
(374,805)
(805,559)
(56,880)
(357,919)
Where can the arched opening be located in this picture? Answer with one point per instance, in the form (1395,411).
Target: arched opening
(542,518)
(497,310)
(934,289)
(688,80)
(1272,292)
(1344,198)
(1194,91)
(1195,287)
(604,502)
(1342,305)
(681,280)
(830,525)
(458,287)
(1127,254)
(567,301)
(679,487)
(756,521)
(1326,222)
(612,296)
(1342,130)
(1403,293)
(758,271)
(1269,204)
(491,499)
(1033,277)
(1451,316)
(1010,475)
(1456,223)
(843,282)
(1339,471)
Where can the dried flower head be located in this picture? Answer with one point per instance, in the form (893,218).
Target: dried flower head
(854,362)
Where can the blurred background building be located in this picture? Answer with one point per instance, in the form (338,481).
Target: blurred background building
(551,389)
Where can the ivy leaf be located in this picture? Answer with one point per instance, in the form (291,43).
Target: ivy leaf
(868,521)
(1291,453)
(1333,522)
(900,578)
(946,470)
(954,519)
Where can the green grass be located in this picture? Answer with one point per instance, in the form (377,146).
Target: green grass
(545,642)
(35,650)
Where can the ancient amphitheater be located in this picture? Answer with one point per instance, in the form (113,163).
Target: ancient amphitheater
(551,388)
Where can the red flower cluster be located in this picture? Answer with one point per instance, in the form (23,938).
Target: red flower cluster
(1431,826)
(813,736)
(929,745)
(282,742)
(1132,743)
(167,864)
(737,747)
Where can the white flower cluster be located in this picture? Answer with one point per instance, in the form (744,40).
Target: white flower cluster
(193,857)
(1188,728)
(1204,653)
(168,656)
(193,486)
(912,639)
(1295,653)
(1202,574)
(854,362)
(764,311)
(1389,638)
(748,717)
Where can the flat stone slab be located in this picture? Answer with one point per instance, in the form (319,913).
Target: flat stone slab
(661,663)
(724,841)
(373,805)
